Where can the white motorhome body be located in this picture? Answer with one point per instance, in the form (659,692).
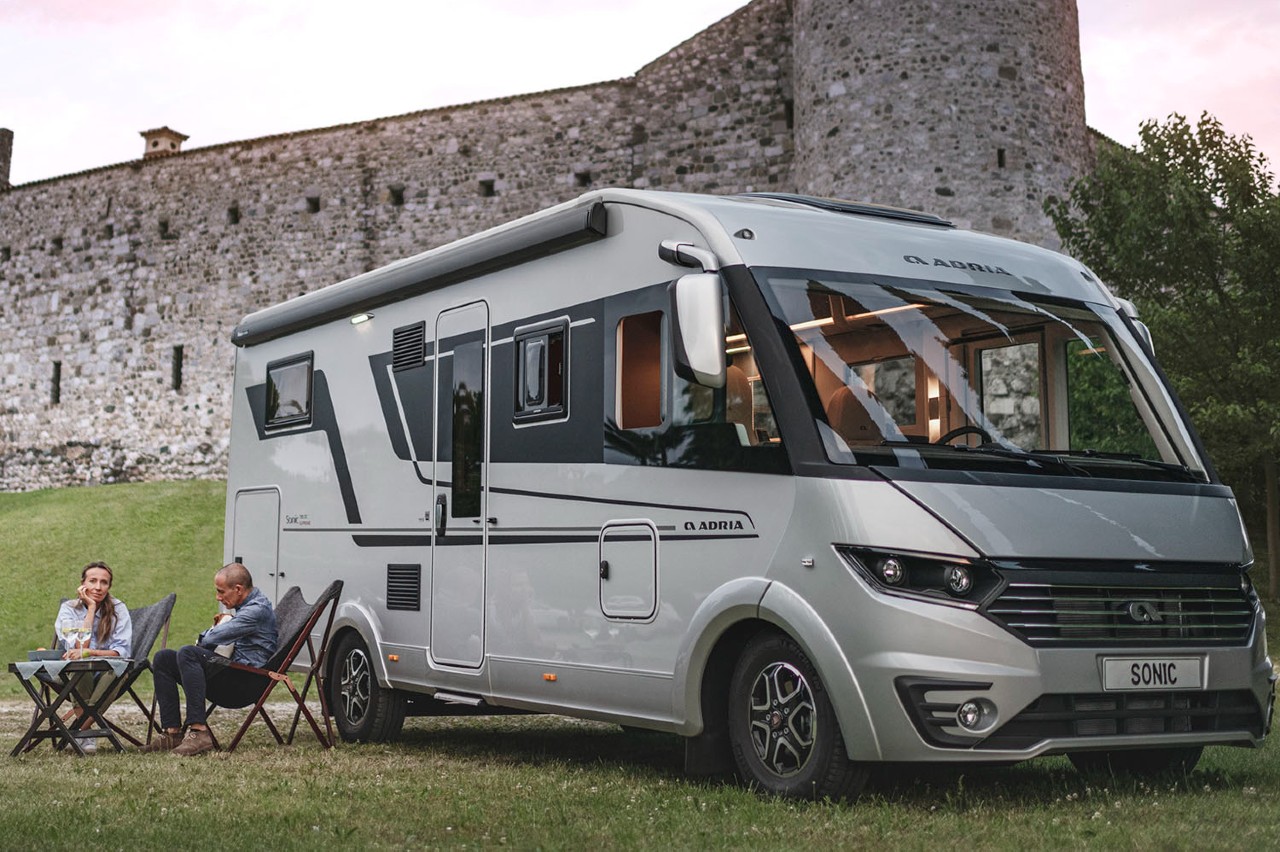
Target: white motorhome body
(804,481)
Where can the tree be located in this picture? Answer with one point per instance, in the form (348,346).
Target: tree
(1188,227)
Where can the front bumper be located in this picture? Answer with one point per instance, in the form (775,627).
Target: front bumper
(1037,701)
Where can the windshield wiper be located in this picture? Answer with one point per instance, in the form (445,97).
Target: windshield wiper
(1032,458)
(1180,470)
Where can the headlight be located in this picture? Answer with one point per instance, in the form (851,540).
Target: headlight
(956,580)
(1246,586)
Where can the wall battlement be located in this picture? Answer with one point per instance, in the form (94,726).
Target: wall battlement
(119,286)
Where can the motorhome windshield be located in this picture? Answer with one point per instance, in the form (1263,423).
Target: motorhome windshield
(930,374)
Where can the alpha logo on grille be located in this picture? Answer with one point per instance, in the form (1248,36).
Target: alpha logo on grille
(1144,612)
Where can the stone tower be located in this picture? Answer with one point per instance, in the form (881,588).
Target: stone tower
(973,111)
(6,156)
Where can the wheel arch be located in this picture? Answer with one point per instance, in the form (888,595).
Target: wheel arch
(787,611)
(356,618)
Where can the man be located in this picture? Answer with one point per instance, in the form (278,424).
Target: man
(204,674)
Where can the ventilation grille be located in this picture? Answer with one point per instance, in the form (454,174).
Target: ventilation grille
(408,346)
(1057,616)
(404,587)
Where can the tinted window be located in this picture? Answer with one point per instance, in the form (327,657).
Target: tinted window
(289,391)
(542,376)
(468,428)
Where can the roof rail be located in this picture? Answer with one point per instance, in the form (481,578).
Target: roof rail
(834,205)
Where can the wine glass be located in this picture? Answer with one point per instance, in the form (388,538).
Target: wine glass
(70,636)
(82,640)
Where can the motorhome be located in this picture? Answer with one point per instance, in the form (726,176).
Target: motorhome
(816,485)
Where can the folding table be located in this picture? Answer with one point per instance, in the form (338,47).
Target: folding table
(92,676)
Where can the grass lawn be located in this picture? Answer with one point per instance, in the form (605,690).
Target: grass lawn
(521,781)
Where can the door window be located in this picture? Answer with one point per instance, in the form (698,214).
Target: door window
(468,428)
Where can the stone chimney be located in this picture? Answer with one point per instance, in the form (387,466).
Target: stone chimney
(6,156)
(161,142)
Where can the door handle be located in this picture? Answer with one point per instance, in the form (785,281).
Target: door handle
(442,510)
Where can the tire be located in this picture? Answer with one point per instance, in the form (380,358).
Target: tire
(1143,762)
(363,711)
(782,729)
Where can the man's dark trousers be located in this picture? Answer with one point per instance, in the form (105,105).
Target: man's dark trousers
(203,676)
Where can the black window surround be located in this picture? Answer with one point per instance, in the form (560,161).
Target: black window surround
(542,372)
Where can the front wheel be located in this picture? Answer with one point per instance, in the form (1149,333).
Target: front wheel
(782,728)
(1144,762)
(363,711)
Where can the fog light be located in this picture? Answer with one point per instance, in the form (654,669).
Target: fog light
(892,571)
(959,580)
(970,715)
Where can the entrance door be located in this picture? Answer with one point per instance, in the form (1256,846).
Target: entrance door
(460,486)
(255,538)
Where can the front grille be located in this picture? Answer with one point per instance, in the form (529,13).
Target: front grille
(1061,615)
(1067,716)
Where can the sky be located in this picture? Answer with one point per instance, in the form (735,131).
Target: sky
(79,79)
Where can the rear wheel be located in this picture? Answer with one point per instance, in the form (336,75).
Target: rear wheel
(1142,761)
(363,710)
(782,728)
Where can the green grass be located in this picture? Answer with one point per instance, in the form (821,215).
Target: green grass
(157,537)
(549,782)
(526,782)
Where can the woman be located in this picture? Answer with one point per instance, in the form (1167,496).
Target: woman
(104,621)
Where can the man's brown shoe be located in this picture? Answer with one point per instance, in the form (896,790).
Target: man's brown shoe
(163,741)
(196,741)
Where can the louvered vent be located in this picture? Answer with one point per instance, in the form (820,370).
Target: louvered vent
(408,346)
(404,587)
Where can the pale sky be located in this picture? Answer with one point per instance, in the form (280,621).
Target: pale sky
(80,78)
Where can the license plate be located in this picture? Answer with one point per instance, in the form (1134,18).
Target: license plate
(1127,673)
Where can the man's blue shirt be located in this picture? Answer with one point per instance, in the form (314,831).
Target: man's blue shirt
(252,630)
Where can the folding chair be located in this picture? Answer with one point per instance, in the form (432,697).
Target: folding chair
(149,623)
(295,621)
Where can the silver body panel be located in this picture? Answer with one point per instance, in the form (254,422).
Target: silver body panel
(696,551)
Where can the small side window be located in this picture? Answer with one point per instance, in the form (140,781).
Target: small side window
(640,371)
(289,391)
(542,373)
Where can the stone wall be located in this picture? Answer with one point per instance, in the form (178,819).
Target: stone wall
(104,274)
(972,111)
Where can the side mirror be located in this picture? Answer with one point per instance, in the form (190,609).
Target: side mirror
(698,308)
(1145,333)
(1130,310)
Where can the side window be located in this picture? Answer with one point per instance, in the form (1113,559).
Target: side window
(289,391)
(659,419)
(542,373)
(744,403)
(640,370)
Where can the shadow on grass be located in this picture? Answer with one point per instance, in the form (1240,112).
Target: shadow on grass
(541,741)
(556,743)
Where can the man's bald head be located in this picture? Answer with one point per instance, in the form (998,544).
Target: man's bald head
(235,574)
